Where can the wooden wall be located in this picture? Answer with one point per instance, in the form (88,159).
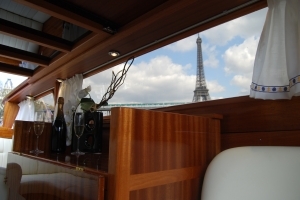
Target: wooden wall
(251,122)
(159,155)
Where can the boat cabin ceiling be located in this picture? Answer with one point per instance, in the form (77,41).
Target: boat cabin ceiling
(46,40)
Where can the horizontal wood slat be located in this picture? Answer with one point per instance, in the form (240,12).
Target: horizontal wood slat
(141,181)
(6,132)
(277,138)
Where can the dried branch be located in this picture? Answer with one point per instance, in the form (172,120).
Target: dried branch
(116,81)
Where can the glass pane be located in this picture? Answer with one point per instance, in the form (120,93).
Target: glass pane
(168,75)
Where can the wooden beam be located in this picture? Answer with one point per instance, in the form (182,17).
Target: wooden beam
(67,14)
(10,112)
(9,61)
(15,70)
(35,36)
(17,54)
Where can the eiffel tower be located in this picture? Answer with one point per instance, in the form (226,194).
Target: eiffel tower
(201,91)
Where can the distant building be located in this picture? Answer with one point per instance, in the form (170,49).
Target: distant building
(201,91)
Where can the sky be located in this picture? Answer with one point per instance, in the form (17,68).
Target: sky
(168,74)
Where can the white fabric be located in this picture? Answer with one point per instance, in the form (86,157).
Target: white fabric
(248,173)
(26,111)
(68,90)
(5,147)
(3,186)
(276,73)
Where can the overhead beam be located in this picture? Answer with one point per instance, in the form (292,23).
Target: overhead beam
(21,55)
(35,36)
(11,69)
(69,12)
(9,61)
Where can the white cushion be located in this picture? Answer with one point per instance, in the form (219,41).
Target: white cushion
(248,173)
(3,186)
(5,147)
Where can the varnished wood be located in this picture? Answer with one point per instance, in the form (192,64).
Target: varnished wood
(9,61)
(10,113)
(11,69)
(6,132)
(248,121)
(64,14)
(25,138)
(164,22)
(148,180)
(35,36)
(43,179)
(151,149)
(54,27)
(20,55)
(272,138)
(150,153)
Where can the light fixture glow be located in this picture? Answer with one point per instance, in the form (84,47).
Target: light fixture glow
(113,53)
(29,97)
(59,80)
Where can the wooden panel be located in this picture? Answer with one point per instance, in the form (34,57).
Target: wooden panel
(141,181)
(10,113)
(6,132)
(244,114)
(163,141)
(54,27)
(46,180)
(131,40)
(187,190)
(159,150)
(11,69)
(251,122)
(25,138)
(279,138)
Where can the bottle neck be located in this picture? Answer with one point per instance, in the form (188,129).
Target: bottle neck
(60,110)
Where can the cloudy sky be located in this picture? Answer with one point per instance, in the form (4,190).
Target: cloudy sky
(169,74)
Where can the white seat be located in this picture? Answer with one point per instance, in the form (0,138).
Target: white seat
(248,173)
(5,147)
(3,186)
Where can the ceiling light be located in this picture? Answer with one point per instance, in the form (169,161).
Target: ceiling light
(59,80)
(29,97)
(113,53)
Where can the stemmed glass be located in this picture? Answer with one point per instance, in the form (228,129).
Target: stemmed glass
(78,123)
(38,126)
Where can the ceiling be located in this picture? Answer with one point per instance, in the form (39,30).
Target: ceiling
(67,37)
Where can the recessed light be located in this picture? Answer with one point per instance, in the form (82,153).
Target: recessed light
(29,97)
(113,53)
(59,80)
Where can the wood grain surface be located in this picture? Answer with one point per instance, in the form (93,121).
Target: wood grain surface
(152,151)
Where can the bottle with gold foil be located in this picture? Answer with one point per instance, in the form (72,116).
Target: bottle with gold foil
(59,129)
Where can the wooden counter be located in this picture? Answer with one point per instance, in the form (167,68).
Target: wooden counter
(150,154)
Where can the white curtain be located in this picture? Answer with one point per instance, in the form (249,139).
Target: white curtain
(276,73)
(26,110)
(68,90)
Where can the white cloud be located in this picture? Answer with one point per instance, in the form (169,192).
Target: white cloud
(211,52)
(186,44)
(242,81)
(214,87)
(239,59)
(159,80)
(244,27)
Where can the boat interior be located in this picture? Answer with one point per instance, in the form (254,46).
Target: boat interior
(162,153)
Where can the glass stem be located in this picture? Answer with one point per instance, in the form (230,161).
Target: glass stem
(77,144)
(37,143)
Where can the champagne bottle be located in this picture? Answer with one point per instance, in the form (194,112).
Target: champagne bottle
(59,129)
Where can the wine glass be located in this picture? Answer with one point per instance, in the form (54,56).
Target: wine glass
(78,123)
(38,126)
